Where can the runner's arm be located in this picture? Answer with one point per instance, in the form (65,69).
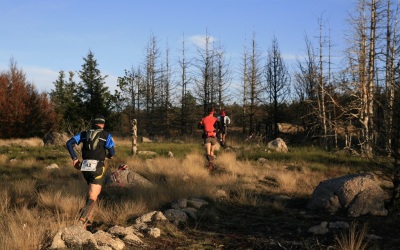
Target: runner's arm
(110,147)
(70,146)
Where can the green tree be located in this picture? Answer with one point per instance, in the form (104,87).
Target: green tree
(66,104)
(93,93)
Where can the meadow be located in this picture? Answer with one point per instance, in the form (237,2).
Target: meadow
(36,201)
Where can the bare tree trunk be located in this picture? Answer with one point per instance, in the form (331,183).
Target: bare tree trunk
(321,94)
(245,82)
(183,66)
(134,137)
(368,119)
(254,82)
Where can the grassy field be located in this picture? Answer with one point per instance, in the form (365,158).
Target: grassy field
(37,201)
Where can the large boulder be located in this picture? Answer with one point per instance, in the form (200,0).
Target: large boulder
(54,138)
(277,145)
(124,177)
(357,194)
(74,237)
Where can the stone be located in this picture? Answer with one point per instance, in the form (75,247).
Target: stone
(358,194)
(277,145)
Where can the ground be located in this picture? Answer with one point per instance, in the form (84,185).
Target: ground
(224,225)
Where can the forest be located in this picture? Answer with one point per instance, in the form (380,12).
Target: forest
(353,105)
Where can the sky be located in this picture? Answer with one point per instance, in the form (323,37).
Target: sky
(46,36)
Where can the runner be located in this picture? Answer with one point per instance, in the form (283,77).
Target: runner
(96,142)
(210,126)
(224,121)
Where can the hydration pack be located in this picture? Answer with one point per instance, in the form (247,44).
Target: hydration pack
(92,138)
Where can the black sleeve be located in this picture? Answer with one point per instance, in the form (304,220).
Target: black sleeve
(217,125)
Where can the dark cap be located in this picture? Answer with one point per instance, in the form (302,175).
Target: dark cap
(98,119)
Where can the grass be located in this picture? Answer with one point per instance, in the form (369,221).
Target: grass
(39,201)
(353,238)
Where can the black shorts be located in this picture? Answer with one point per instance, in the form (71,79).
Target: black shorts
(96,177)
(223,130)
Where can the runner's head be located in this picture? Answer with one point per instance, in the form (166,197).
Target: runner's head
(98,120)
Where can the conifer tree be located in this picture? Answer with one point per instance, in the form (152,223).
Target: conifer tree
(93,93)
(66,104)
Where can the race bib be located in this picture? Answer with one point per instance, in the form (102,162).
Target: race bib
(89,165)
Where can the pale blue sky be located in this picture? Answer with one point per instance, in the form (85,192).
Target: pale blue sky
(46,36)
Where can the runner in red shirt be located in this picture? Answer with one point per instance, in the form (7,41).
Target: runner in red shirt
(210,125)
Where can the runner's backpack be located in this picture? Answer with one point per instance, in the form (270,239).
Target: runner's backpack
(92,138)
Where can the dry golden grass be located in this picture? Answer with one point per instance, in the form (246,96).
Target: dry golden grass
(26,228)
(32,142)
(120,212)
(56,200)
(353,238)
(3,159)
(60,202)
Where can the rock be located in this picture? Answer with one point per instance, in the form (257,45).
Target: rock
(58,242)
(182,203)
(146,218)
(262,160)
(55,139)
(176,216)
(145,139)
(120,231)
(320,229)
(76,237)
(146,153)
(133,239)
(220,194)
(277,145)
(281,198)
(191,212)
(158,216)
(196,203)
(105,239)
(154,232)
(127,178)
(52,166)
(170,154)
(359,194)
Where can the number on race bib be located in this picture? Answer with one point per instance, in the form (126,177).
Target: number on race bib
(89,165)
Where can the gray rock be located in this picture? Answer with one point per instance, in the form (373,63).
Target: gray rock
(54,138)
(196,203)
(359,194)
(320,229)
(133,239)
(182,203)
(190,211)
(146,218)
(176,216)
(120,231)
(277,145)
(127,178)
(105,239)
(76,237)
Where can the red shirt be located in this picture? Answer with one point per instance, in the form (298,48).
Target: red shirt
(208,123)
